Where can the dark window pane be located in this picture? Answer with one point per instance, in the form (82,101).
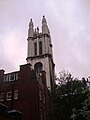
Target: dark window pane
(35,48)
(40,48)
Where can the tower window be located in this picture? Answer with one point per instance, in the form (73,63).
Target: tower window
(43,98)
(40,48)
(35,48)
(38,68)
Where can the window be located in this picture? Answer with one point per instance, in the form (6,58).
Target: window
(2,96)
(40,48)
(43,98)
(17,76)
(40,95)
(6,78)
(12,77)
(9,96)
(15,94)
(38,68)
(35,48)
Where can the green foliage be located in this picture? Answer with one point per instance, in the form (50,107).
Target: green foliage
(84,111)
(67,94)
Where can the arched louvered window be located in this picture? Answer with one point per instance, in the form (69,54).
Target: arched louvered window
(38,68)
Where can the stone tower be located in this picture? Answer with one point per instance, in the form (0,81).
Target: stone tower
(40,51)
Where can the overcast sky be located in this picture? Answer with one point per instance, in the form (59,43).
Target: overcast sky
(69,24)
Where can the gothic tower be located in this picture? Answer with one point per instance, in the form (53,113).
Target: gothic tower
(40,51)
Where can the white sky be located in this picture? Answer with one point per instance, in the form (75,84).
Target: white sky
(69,24)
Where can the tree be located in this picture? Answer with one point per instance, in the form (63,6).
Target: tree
(67,94)
(84,111)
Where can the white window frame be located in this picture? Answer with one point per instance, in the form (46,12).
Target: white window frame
(16,95)
(9,97)
(17,76)
(2,95)
(13,77)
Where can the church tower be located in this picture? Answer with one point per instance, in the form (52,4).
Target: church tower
(40,51)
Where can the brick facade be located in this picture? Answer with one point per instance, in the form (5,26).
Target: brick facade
(26,92)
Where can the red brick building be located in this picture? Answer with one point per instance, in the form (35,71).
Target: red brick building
(26,92)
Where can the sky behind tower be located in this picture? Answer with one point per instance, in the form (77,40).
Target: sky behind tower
(69,24)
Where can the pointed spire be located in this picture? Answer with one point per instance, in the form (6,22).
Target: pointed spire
(31,23)
(44,25)
(30,30)
(44,22)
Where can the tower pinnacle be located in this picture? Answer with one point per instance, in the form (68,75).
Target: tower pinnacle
(44,20)
(31,23)
(30,30)
(44,25)
(37,30)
